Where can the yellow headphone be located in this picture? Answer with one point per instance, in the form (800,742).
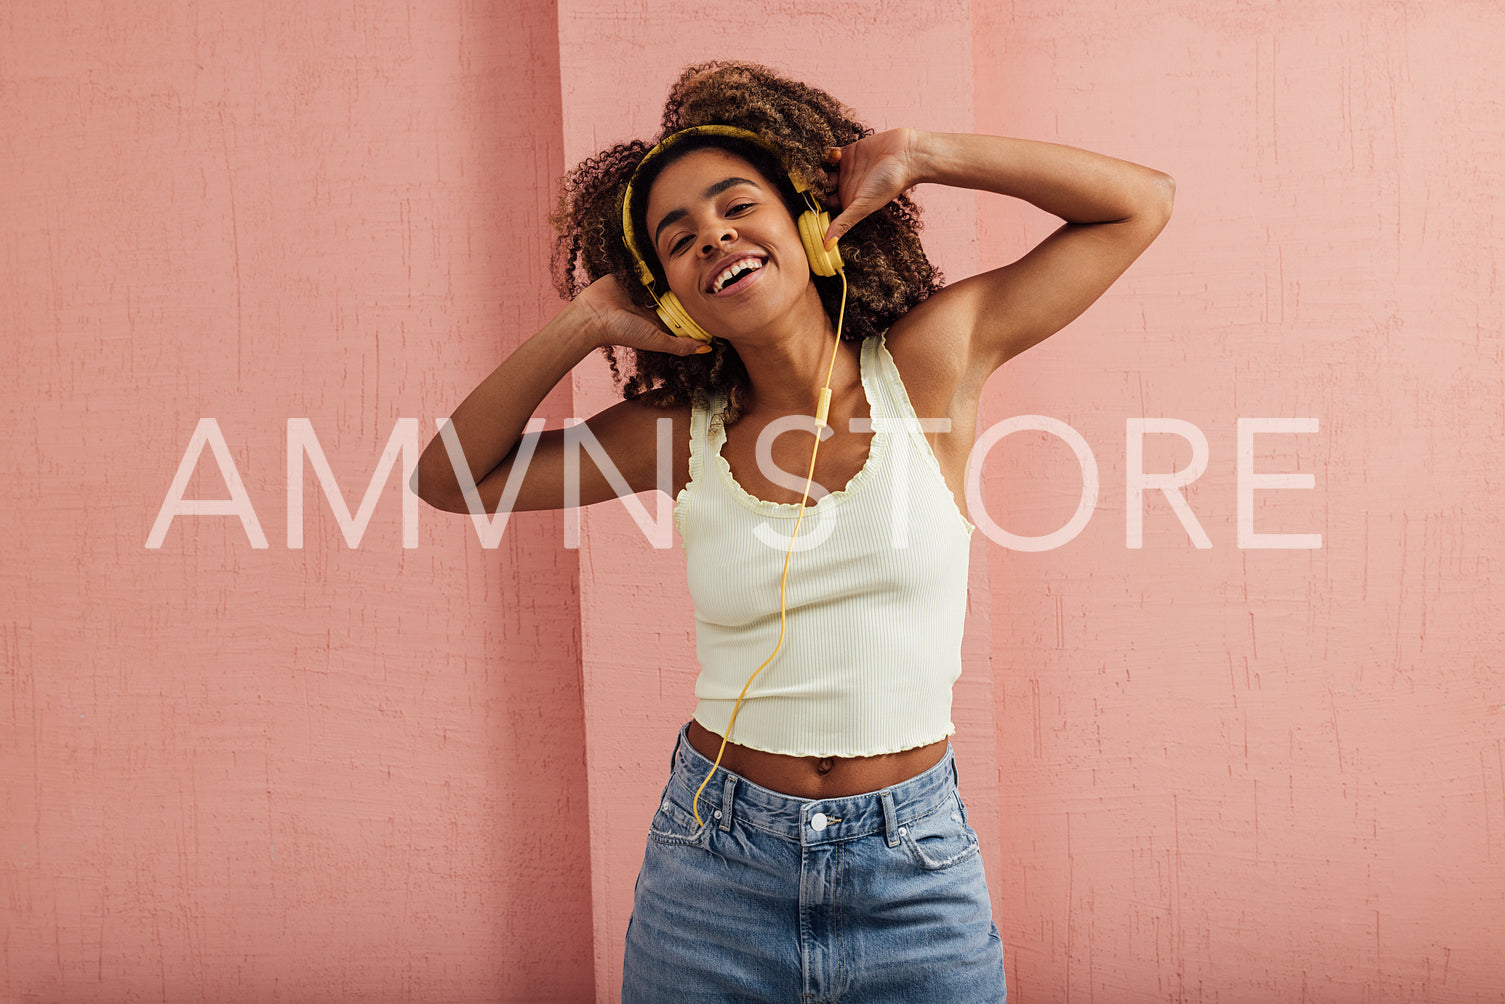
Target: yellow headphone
(813,223)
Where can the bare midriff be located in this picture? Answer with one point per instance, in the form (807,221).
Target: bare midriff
(812,776)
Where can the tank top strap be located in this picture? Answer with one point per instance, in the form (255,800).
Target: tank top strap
(700,423)
(890,401)
(702,418)
(885,386)
(699,418)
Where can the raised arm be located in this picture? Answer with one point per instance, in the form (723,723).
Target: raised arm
(490,422)
(1112,210)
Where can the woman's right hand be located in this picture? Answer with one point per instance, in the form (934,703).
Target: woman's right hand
(611,318)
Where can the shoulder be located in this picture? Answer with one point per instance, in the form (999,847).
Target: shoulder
(930,347)
(639,437)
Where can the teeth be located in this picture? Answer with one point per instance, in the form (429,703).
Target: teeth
(751,263)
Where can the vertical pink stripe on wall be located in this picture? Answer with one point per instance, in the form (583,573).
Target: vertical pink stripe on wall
(1237,774)
(637,625)
(234,774)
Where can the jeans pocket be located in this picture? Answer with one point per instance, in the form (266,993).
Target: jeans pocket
(941,839)
(674,824)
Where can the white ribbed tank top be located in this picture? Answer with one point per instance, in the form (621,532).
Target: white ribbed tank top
(877,592)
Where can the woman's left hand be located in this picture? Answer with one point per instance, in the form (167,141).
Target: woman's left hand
(870,174)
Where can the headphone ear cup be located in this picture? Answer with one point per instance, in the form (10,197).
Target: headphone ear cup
(813,227)
(678,320)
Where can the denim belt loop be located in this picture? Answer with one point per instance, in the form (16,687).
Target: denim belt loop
(890,818)
(727,788)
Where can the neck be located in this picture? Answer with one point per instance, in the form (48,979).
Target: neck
(786,371)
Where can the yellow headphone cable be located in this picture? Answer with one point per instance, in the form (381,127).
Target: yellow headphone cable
(822,412)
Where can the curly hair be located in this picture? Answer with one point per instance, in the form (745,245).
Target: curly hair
(887,270)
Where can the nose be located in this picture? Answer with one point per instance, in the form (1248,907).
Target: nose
(728,235)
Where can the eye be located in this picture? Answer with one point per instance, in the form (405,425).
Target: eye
(678,244)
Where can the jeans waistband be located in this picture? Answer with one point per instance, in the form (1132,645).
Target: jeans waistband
(729,797)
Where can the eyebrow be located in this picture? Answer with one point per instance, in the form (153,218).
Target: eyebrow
(674,215)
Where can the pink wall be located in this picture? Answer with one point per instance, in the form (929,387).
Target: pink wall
(1236,774)
(388,773)
(233,774)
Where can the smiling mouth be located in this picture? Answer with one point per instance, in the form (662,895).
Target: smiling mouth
(735,274)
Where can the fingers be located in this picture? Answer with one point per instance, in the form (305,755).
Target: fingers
(850,216)
(619,321)
(680,347)
(833,170)
(840,226)
(849,174)
(651,337)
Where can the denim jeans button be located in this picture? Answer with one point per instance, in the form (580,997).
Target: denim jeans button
(818,822)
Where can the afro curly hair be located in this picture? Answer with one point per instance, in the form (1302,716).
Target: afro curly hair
(887,270)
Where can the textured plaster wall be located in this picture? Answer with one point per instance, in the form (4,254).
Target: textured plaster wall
(242,774)
(235,774)
(1236,774)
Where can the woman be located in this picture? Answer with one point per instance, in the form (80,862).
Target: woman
(811,841)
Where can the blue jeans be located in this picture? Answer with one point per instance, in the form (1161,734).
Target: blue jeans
(867,898)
